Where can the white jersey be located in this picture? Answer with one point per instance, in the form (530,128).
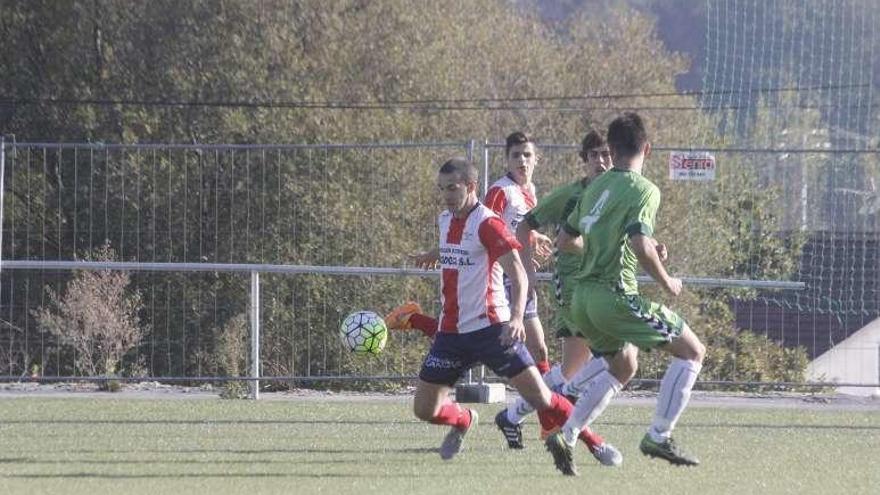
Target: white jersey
(471,288)
(510,200)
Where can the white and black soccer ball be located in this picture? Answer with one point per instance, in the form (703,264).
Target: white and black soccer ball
(364,332)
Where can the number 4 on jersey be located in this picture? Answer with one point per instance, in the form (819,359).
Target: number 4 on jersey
(587,222)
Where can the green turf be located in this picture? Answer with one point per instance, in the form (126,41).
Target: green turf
(159,447)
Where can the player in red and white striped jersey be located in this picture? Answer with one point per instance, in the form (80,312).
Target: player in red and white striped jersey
(477,325)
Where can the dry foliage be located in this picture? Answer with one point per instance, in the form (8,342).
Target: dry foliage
(96,315)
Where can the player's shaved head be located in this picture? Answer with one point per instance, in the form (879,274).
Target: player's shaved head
(462,168)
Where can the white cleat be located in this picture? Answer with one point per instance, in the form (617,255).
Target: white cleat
(451,445)
(608,455)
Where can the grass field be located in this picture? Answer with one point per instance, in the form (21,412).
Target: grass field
(130,446)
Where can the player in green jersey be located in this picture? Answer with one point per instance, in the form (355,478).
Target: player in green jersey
(553,209)
(613,225)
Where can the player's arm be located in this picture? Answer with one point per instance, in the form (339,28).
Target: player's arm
(640,232)
(523,235)
(648,254)
(426,259)
(503,247)
(516,272)
(570,240)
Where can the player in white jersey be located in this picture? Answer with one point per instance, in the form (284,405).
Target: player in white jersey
(511,197)
(477,325)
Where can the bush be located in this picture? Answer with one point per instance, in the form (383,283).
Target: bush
(230,355)
(96,316)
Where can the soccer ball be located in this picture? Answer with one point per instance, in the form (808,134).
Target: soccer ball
(363,332)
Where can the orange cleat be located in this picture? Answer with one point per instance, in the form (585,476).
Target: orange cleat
(398,318)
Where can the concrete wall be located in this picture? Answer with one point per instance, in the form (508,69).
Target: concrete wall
(856,360)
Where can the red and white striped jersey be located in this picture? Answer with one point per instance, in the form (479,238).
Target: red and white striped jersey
(510,200)
(471,287)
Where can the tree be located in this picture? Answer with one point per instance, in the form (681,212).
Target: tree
(186,205)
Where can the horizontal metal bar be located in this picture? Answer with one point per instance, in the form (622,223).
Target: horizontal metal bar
(459,144)
(340,270)
(196,147)
(550,146)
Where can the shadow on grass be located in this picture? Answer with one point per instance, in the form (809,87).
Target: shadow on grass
(182,476)
(343,423)
(787,426)
(202,422)
(303,450)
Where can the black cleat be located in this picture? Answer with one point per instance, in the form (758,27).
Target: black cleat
(512,432)
(667,450)
(562,454)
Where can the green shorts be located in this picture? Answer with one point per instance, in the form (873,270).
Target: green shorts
(609,319)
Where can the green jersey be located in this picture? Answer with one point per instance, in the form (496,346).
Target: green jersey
(553,209)
(616,206)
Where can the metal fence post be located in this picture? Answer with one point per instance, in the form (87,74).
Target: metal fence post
(2,191)
(485,166)
(485,190)
(255,335)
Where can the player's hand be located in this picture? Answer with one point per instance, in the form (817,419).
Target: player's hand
(673,286)
(426,260)
(513,331)
(542,247)
(662,252)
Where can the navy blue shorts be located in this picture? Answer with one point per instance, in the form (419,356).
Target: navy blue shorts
(531,301)
(452,354)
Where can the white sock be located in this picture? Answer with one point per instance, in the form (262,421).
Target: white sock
(554,378)
(575,387)
(590,405)
(675,391)
(517,412)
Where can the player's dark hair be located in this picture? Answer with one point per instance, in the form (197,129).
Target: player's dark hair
(627,135)
(591,141)
(463,169)
(515,139)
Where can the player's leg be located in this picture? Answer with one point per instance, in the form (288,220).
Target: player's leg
(509,420)
(536,344)
(409,316)
(575,354)
(513,361)
(600,389)
(648,325)
(675,391)
(553,409)
(444,364)
(599,385)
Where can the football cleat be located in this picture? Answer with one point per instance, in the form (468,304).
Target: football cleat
(512,432)
(667,450)
(398,318)
(453,440)
(607,455)
(561,451)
